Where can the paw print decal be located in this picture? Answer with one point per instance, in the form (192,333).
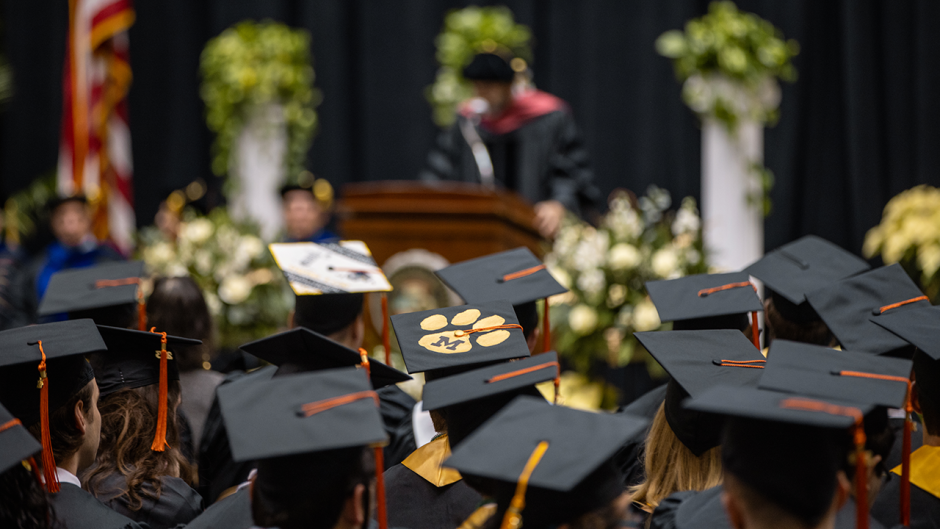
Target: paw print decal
(459,340)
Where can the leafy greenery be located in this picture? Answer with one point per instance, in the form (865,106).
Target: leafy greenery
(253,64)
(27,209)
(467,32)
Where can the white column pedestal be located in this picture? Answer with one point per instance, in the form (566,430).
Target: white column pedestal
(258,169)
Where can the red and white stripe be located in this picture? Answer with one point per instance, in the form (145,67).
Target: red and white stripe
(95,146)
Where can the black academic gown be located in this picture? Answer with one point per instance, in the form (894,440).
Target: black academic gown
(231,512)
(416,503)
(925,506)
(76,509)
(178,503)
(703,510)
(544,159)
(630,456)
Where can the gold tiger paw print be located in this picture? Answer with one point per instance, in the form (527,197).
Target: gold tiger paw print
(456,340)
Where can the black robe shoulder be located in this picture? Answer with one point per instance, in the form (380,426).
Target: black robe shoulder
(76,509)
(414,502)
(178,503)
(925,507)
(231,512)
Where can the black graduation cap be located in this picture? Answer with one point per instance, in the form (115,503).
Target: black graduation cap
(438,339)
(920,327)
(709,300)
(133,359)
(516,276)
(16,443)
(95,287)
(697,361)
(848,306)
(828,373)
(46,363)
(490,380)
(807,264)
(788,447)
(488,67)
(570,449)
(300,413)
(304,350)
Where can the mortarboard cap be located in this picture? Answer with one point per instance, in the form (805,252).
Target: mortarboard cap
(570,450)
(920,327)
(828,373)
(329,268)
(301,413)
(133,359)
(848,306)
(697,361)
(41,368)
(94,288)
(516,276)
(490,380)
(304,350)
(437,339)
(722,300)
(16,443)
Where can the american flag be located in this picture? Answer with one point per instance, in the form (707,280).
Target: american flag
(95,147)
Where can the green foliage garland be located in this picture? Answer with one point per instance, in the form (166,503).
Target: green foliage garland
(252,64)
(467,32)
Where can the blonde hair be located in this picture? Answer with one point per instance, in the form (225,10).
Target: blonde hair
(671,467)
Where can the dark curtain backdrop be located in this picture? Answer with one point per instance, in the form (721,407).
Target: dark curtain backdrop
(861,124)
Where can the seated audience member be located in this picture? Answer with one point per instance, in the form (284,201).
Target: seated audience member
(545,476)
(23,502)
(305,216)
(70,430)
(177,307)
(140,471)
(792,271)
(329,438)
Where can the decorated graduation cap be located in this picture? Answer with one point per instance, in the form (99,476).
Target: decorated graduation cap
(345,270)
(491,380)
(807,264)
(697,361)
(849,306)
(301,349)
(16,443)
(296,415)
(789,447)
(135,359)
(516,276)
(707,301)
(99,292)
(553,461)
(41,368)
(463,337)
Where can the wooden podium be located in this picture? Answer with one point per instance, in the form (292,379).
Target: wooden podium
(457,220)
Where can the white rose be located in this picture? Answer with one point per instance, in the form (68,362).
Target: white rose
(203,261)
(582,319)
(159,255)
(624,256)
(616,295)
(197,231)
(645,316)
(665,263)
(591,282)
(234,289)
(250,246)
(212,301)
(686,222)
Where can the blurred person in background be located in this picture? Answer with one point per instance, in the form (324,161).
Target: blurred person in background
(307,210)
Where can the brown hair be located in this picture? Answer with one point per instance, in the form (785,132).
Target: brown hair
(178,308)
(812,332)
(128,423)
(65,435)
(671,467)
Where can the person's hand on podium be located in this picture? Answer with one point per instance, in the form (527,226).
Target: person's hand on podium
(548,215)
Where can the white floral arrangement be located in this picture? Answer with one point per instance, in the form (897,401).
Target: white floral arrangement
(244,290)
(606,268)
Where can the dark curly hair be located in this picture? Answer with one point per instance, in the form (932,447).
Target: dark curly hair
(128,423)
(22,501)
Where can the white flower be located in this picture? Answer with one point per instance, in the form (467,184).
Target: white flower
(197,231)
(212,301)
(582,319)
(686,222)
(203,261)
(645,316)
(250,246)
(624,256)
(160,254)
(591,251)
(591,282)
(693,257)
(234,289)
(616,295)
(176,270)
(560,275)
(665,263)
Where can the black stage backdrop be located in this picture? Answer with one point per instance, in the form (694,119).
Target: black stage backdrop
(861,124)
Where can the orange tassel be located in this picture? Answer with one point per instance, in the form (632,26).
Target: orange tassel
(159,439)
(35,468)
(546,330)
(386,342)
(364,361)
(48,458)
(905,493)
(755,331)
(861,471)
(141,311)
(380,487)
